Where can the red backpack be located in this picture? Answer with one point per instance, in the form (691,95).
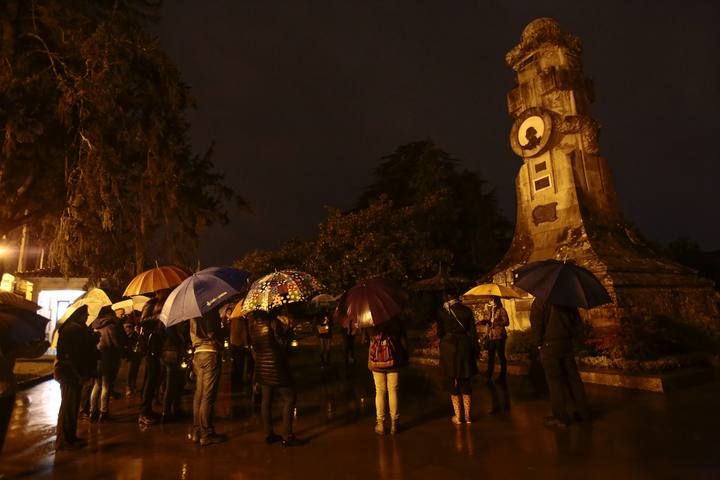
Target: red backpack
(382,352)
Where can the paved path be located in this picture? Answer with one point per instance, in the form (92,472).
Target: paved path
(636,435)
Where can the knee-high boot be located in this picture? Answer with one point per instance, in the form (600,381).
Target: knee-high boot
(467,403)
(455,399)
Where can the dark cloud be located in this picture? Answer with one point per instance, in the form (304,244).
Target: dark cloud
(302,98)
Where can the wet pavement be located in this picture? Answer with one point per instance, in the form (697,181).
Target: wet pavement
(635,435)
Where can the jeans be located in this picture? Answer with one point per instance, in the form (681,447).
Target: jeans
(174,381)
(207,367)
(499,347)
(151,383)
(103,386)
(289,397)
(567,393)
(386,383)
(68,415)
(6,407)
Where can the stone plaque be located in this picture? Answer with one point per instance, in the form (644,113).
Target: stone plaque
(544,213)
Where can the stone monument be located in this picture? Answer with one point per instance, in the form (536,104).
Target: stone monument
(566,203)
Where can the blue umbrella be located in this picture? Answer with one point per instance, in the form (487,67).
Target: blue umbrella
(22,326)
(202,292)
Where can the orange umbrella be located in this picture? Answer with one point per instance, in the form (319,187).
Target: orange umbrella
(158,278)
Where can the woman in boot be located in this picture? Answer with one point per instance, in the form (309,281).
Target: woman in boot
(387,354)
(458,354)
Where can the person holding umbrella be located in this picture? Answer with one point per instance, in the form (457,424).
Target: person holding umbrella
(560,288)
(207,341)
(199,299)
(75,363)
(151,338)
(21,331)
(497,337)
(553,328)
(269,338)
(458,354)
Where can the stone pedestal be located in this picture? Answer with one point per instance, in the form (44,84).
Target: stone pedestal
(566,202)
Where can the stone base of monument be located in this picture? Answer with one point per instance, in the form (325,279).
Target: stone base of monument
(660,382)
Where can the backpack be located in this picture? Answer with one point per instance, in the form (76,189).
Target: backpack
(382,352)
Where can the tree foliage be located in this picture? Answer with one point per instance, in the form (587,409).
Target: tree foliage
(465,221)
(419,213)
(94,116)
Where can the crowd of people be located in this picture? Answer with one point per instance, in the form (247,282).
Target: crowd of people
(89,358)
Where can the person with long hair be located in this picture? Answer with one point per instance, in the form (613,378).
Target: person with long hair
(386,356)
(269,340)
(458,355)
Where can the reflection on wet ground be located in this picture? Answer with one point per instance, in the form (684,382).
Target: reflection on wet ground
(635,435)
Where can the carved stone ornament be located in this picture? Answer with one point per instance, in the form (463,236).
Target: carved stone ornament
(587,127)
(531,132)
(538,32)
(544,213)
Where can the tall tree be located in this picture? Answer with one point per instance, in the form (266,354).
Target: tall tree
(117,107)
(466,221)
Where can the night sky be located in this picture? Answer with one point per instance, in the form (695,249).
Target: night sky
(302,98)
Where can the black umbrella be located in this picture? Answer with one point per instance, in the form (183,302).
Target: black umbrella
(21,326)
(562,283)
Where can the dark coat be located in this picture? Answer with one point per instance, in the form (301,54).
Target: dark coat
(76,353)
(239,332)
(458,342)
(552,325)
(112,336)
(268,337)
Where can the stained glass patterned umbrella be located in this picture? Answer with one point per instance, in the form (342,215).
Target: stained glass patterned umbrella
(158,278)
(280,288)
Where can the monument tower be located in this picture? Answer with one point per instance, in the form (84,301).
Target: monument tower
(566,202)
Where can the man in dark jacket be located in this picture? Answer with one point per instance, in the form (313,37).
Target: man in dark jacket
(553,328)
(75,363)
(151,337)
(174,344)
(207,342)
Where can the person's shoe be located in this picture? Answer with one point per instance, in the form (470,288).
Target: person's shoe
(273,438)
(292,441)
(455,400)
(194,436)
(84,416)
(554,422)
(147,420)
(212,439)
(104,417)
(380,427)
(129,392)
(94,416)
(394,427)
(115,395)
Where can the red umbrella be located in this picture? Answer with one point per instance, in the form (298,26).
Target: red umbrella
(370,302)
